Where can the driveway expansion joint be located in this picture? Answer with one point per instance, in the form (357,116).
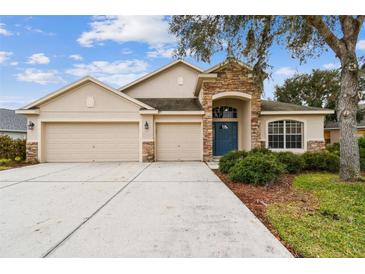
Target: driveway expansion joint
(51,250)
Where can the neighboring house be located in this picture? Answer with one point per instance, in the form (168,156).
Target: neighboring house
(332,129)
(177,113)
(12,124)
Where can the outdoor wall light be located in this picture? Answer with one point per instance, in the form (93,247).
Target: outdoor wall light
(30,125)
(146,126)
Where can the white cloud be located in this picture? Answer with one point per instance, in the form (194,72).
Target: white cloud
(38,58)
(5,55)
(120,79)
(30,28)
(331,66)
(152,30)
(118,72)
(40,77)
(14,63)
(161,52)
(360,45)
(285,71)
(76,57)
(4,31)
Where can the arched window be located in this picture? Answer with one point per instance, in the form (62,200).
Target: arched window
(224,112)
(286,134)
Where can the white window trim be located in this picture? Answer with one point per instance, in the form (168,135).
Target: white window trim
(295,150)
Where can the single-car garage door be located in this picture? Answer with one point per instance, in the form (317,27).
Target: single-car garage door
(88,142)
(178,142)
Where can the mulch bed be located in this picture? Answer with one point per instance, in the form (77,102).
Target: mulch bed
(257,198)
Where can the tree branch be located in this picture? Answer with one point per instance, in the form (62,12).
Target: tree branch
(331,39)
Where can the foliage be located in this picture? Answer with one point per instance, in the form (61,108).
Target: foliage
(332,225)
(257,168)
(17,159)
(334,148)
(9,148)
(294,163)
(260,150)
(227,161)
(361,142)
(321,161)
(4,162)
(320,88)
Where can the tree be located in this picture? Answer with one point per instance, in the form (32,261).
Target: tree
(320,88)
(251,38)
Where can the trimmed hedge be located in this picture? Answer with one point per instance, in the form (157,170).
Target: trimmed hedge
(10,148)
(227,161)
(257,168)
(294,163)
(321,161)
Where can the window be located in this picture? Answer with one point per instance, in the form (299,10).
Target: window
(224,112)
(286,134)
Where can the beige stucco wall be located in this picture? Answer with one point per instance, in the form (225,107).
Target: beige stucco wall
(313,126)
(244,119)
(165,84)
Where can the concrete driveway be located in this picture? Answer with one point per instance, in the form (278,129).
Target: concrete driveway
(126,210)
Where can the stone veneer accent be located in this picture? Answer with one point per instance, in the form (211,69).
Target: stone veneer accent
(316,145)
(32,152)
(231,77)
(148,151)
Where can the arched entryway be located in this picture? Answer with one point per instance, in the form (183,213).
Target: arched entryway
(231,122)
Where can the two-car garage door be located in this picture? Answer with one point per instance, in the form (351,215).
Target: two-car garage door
(87,142)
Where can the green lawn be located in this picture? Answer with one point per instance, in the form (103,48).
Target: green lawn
(332,225)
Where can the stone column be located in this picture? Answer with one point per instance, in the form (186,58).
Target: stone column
(32,152)
(315,145)
(148,151)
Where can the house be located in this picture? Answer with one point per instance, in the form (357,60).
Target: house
(332,129)
(12,124)
(176,113)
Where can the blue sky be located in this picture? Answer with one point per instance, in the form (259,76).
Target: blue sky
(39,54)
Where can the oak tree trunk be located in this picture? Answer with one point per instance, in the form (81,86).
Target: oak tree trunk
(346,112)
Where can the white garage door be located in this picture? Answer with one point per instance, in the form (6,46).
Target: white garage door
(179,142)
(88,142)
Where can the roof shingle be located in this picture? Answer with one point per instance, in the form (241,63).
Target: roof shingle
(9,121)
(173,104)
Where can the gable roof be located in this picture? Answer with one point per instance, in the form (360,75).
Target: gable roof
(173,104)
(225,62)
(79,83)
(153,73)
(9,121)
(274,106)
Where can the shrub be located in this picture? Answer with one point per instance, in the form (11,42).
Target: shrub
(257,168)
(17,159)
(361,142)
(261,150)
(9,148)
(294,163)
(227,161)
(4,162)
(334,148)
(321,161)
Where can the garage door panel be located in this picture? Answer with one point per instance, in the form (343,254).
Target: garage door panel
(86,142)
(179,142)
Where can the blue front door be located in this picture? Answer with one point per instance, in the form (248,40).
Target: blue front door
(225,137)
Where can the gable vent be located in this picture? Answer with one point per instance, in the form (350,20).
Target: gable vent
(180,80)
